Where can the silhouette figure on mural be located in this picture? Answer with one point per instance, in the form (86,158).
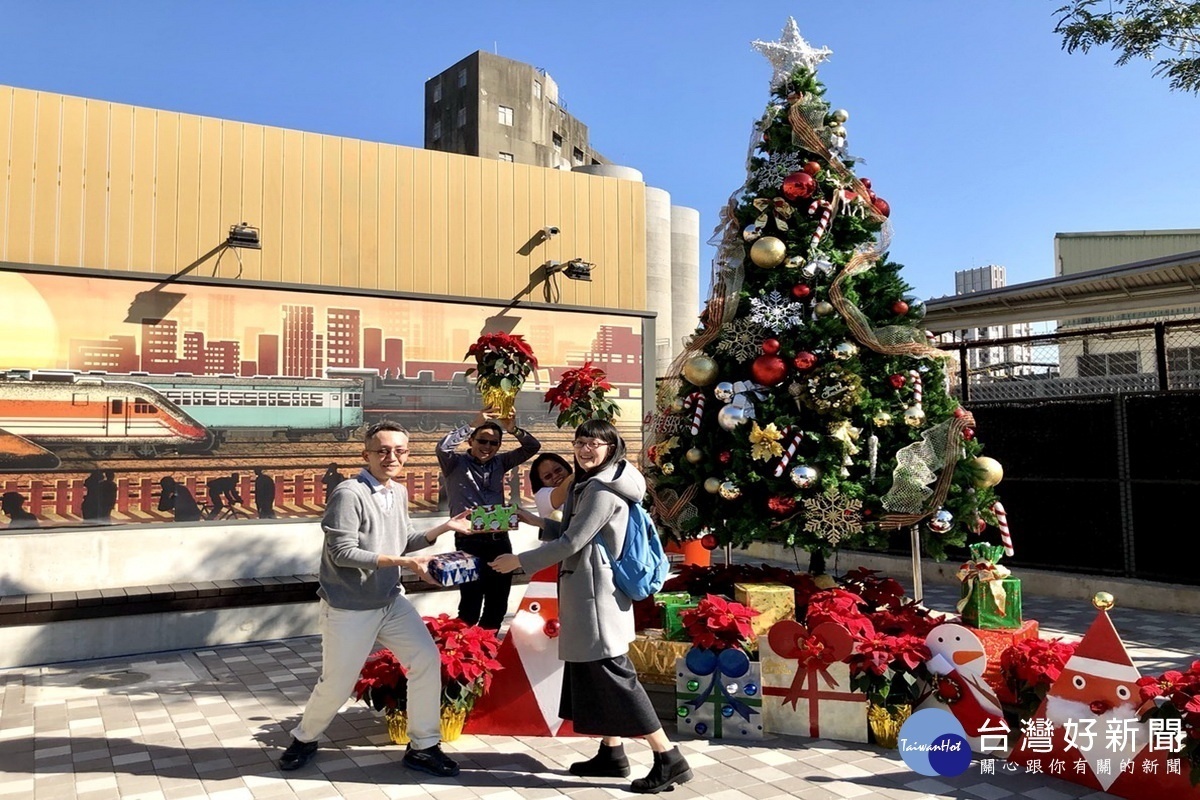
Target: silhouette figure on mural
(330,479)
(12,504)
(223,492)
(264,494)
(90,507)
(176,497)
(108,495)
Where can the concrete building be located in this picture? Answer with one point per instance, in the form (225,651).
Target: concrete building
(493,107)
(1003,360)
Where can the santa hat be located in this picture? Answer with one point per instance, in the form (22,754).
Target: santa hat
(544,583)
(1101,653)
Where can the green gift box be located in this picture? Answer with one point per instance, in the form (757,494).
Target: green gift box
(990,597)
(491,519)
(674,604)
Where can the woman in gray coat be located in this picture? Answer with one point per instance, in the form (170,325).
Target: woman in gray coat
(601,694)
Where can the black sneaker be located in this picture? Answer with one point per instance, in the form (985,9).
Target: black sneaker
(431,760)
(297,754)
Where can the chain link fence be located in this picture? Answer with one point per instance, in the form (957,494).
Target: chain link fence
(1077,361)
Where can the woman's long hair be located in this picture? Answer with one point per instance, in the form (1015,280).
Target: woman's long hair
(605,431)
(535,476)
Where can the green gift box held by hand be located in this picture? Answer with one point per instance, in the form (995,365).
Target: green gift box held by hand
(491,519)
(990,598)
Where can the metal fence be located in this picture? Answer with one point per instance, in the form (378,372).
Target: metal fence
(1079,361)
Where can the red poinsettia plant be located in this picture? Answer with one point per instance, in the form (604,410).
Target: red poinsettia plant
(891,669)
(1028,669)
(502,360)
(468,654)
(719,624)
(579,396)
(1176,695)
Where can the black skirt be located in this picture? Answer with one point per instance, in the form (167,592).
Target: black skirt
(604,698)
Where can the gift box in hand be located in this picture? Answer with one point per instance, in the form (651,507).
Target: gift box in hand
(491,519)
(451,569)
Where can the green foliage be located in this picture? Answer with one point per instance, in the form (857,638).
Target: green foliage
(770,506)
(1164,31)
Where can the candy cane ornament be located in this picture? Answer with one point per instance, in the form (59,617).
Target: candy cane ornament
(918,390)
(786,458)
(1005,534)
(822,223)
(696,401)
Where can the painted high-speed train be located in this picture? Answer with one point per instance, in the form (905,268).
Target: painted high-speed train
(51,409)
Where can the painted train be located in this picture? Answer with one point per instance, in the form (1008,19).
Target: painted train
(144,414)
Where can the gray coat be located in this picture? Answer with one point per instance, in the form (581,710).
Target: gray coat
(597,618)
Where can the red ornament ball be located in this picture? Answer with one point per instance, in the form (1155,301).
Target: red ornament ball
(725,457)
(882,207)
(768,370)
(801,291)
(708,541)
(959,411)
(865,182)
(804,361)
(781,504)
(897,381)
(899,308)
(811,168)
(798,185)
(968,433)
(980,525)
(770,346)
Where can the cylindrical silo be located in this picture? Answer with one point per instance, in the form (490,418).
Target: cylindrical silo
(685,275)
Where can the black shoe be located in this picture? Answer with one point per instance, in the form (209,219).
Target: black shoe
(669,769)
(431,760)
(610,762)
(297,754)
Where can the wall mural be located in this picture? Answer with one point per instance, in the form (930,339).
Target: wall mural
(133,401)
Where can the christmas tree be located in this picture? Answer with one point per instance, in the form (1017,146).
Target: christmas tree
(810,406)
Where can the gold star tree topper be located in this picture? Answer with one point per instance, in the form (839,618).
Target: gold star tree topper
(789,52)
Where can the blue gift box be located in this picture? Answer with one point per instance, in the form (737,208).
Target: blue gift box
(451,569)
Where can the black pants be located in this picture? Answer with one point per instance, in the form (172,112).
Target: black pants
(485,601)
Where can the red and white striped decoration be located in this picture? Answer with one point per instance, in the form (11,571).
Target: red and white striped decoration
(915,378)
(822,224)
(1002,521)
(695,401)
(786,458)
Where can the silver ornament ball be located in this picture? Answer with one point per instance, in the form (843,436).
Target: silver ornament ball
(751,232)
(668,468)
(823,309)
(723,391)
(914,416)
(942,521)
(730,491)
(840,116)
(803,476)
(845,351)
(730,417)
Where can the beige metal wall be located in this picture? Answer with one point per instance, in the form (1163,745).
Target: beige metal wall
(1083,252)
(126,189)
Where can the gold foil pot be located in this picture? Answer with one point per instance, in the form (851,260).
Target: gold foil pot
(502,401)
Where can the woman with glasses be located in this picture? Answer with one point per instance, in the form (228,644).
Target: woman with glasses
(550,477)
(601,694)
(476,478)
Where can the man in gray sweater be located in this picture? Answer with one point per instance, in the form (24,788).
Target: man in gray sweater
(367,534)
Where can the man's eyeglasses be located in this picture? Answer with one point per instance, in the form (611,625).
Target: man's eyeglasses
(488,442)
(586,444)
(384,452)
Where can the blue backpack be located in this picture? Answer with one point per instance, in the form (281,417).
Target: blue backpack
(642,567)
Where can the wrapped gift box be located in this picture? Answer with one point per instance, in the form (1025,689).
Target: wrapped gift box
(452,569)
(772,601)
(654,657)
(981,610)
(716,705)
(494,518)
(674,604)
(995,642)
(810,702)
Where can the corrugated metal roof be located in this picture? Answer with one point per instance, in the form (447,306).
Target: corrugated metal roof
(1155,285)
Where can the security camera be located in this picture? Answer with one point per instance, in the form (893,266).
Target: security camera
(549,230)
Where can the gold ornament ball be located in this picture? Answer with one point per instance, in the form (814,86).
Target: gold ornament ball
(845,351)
(1103,601)
(677,405)
(823,309)
(712,485)
(914,416)
(988,472)
(694,455)
(881,419)
(668,468)
(838,130)
(840,116)
(700,370)
(795,262)
(768,252)
(730,491)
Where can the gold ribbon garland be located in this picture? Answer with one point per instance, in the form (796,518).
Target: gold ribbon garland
(954,439)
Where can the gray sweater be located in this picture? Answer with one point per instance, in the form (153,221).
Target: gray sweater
(357,532)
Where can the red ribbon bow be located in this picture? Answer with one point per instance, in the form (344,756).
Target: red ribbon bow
(828,643)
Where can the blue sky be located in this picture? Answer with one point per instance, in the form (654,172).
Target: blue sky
(983,135)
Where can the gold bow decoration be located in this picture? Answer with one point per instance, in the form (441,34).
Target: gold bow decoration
(778,207)
(988,573)
(765,442)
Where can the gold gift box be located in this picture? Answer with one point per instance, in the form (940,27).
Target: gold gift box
(654,657)
(772,601)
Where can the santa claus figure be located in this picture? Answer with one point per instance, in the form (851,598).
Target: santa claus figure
(524,695)
(958,662)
